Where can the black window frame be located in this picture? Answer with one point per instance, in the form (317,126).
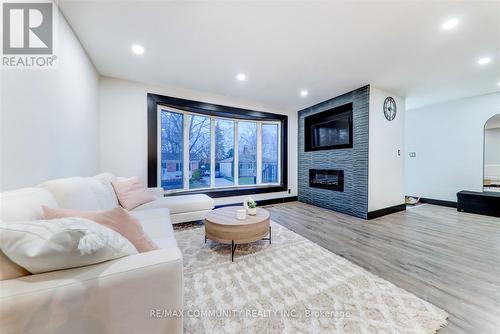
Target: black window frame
(204,108)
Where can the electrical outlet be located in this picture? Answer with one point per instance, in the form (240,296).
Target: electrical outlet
(289,191)
(413,154)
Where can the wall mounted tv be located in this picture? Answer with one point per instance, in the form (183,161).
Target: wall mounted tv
(330,129)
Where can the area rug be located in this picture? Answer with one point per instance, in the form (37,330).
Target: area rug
(291,286)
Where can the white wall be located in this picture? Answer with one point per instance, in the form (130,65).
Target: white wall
(123,129)
(385,166)
(448,141)
(49,118)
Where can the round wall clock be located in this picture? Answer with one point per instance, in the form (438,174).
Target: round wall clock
(390,108)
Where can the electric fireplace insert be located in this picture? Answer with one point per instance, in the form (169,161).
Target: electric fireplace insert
(332,179)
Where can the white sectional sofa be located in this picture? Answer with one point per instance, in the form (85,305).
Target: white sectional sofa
(116,296)
(183,208)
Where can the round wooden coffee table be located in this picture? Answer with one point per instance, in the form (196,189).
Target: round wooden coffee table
(222,226)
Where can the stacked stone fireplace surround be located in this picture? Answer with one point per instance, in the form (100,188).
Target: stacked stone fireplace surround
(353,200)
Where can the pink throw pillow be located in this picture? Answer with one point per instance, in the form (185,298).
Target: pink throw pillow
(9,269)
(117,219)
(131,193)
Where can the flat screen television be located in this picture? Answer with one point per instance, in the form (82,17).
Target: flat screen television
(330,129)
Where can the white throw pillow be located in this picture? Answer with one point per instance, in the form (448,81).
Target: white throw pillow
(47,245)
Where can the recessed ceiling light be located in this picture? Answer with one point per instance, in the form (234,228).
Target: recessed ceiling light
(450,24)
(304,92)
(138,49)
(241,77)
(484,60)
(498,83)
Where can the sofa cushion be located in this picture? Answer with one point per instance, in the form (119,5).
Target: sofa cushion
(181,204)
(72,193)
(156,222)
(165,243)
(81,193)
(105,195)
(25,204)
(106,179)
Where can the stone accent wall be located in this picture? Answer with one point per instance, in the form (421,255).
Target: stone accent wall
(354,161)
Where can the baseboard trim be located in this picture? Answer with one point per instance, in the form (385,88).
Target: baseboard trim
(386,211)
(278,200)
(266,201)
(432,201)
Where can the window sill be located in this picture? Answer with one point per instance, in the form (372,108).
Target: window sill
(228,192)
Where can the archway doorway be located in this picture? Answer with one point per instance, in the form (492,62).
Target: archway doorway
(491,161)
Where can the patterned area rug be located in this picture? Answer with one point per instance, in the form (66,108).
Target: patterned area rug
(291,286)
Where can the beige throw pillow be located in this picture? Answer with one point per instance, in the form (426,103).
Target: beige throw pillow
(117,219)
(10,270)
(131,193)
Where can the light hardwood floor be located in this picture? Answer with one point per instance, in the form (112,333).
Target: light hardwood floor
(448,258)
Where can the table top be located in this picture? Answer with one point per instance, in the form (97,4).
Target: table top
(227,216)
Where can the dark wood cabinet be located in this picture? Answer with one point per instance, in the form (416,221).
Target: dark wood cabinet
(483,203)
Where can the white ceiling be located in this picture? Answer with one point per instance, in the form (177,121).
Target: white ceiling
(327,47)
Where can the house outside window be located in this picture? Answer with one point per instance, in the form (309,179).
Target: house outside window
(210,152)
